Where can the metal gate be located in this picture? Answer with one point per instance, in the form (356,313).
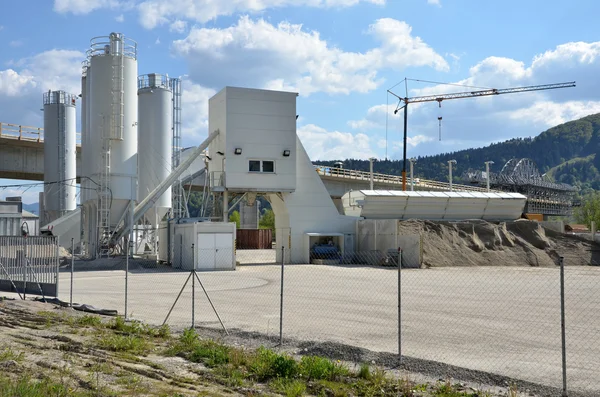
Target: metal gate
(29,265)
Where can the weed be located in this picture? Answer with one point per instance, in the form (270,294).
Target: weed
(314,367)
(288,387)
(364,372)
(25,386)
(231,376)
(210,353)
(266,364)
(513,391)
(87,321)
(125,343)
(9,354)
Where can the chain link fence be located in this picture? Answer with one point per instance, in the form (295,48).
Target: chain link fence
(500,320)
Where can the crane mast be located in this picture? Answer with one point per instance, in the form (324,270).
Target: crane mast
(460,95)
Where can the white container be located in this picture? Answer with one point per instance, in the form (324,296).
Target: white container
(60,162)
(83,171)
(155,133)
(104,99)
(204,246)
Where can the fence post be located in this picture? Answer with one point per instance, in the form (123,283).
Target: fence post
(72,269)
(193,288)
(562,326)
(281,298)
(129,250)
(25,268)
(399,305)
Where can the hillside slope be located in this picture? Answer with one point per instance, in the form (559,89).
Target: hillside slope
(551,150)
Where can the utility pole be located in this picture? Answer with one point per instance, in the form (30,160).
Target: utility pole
(371,171)
(450,162)
(487,173)
(412,180)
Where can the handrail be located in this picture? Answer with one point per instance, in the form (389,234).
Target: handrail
(26,133)
(393,179)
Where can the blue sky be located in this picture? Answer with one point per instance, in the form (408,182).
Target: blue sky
(340,55)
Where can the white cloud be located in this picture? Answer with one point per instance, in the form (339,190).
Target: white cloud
(16,43)
(13,83)
(195,112)
(480,121)
(321,144)
(21,87)
(434,2)
(120,18)
(79,7)
(158,12)
(285,56)
(178,26)
(157,41)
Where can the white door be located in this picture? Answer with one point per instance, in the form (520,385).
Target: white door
(206,252)
(223,251)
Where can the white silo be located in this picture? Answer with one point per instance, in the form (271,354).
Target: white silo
(155,120)
(59,154)
(83,171)
(112,118)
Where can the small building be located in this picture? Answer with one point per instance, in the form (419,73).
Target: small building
(15,221)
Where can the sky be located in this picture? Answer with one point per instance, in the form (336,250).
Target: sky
(341,56)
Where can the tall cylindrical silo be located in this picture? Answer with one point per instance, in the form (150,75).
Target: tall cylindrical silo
(83,171)
(113,125)
(59,154)
(155,119)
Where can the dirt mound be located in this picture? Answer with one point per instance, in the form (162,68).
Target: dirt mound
(480,243)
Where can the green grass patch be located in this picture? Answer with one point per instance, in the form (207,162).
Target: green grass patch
(319,368)
(25,386)
(288,387)
(8,354)
(125,343)
(139,328)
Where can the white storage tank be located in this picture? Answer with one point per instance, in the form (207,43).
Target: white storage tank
(60,166)
(155,133)
(112,118)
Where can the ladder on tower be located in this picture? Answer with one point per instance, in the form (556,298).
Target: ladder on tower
(177,200)
(113,130)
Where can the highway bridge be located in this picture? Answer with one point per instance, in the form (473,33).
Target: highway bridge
(22,157)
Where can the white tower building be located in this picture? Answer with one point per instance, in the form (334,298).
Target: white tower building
(59,155)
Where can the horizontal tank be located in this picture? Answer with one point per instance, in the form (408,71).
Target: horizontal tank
(155,119)
(113,119)
(60,166)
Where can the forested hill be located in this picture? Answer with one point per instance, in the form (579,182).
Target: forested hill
(567,153)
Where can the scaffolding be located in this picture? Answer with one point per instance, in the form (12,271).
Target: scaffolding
(523,176)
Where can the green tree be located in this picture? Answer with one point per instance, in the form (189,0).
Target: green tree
(235,217)
(267,220)
(589,210)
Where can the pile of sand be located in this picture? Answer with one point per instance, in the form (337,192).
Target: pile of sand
(480,243)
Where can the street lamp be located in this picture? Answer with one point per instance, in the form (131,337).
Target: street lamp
(450,162)
(412,181)
(487,173)
(371,159)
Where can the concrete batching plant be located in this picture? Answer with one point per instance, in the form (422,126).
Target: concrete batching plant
(59,155)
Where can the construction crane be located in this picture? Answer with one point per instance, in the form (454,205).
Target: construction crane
(460,95)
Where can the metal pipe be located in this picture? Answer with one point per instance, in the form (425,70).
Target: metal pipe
(371,172)
(562,325)
(225,206)
(72,269)
(404,145)
(281,298)
(153,196)
(487,173)
(450,162)
(193,290)
(412,180)
(400,305)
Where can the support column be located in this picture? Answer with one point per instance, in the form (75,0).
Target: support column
(225,206)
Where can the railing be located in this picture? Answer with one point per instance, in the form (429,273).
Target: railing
(26,133)
(394,179)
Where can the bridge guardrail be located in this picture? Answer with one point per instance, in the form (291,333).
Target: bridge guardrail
(393,179)
(26,133)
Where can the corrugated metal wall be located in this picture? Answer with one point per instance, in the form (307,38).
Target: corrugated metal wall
(10,225)
(254,239)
